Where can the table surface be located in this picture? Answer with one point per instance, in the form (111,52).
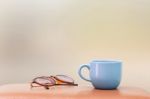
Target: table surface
(23,91)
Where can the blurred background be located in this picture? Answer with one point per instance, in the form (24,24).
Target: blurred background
(49,37)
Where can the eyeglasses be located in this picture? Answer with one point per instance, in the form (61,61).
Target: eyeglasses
(48,81)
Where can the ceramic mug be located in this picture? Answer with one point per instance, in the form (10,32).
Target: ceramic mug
(104,74)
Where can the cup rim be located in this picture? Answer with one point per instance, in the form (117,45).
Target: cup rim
(106,61)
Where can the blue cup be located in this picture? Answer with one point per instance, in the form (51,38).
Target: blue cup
(104,74)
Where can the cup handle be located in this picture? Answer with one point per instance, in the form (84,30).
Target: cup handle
(80,74)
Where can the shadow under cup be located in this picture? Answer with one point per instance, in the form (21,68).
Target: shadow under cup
(104,74)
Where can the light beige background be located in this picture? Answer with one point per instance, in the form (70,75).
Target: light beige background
(48,37)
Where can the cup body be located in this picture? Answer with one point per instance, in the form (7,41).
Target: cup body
(105,74)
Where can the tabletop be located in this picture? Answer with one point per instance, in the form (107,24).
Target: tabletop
(23,91)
